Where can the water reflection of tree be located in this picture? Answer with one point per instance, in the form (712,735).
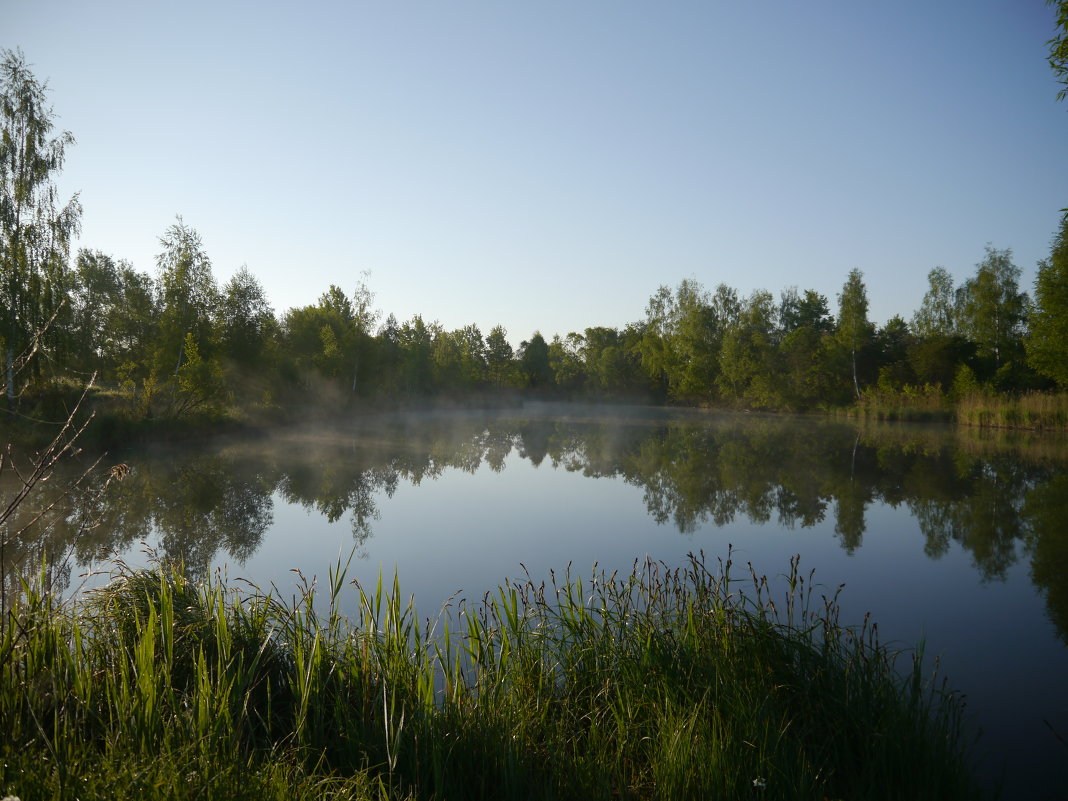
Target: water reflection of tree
(1046,512)
(42,532)
(195,506)
(691,473)
(978,504)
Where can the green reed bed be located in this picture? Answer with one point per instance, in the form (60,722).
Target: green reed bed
(924,404)
(1043,411)
(664,683)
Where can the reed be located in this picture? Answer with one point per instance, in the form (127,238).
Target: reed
(1040,411)
(666,682)
(905,404)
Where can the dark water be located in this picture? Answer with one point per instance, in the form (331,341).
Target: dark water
(944,536)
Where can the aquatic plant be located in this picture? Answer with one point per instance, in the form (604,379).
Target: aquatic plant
(667,682)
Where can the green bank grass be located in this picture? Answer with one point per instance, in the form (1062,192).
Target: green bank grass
(1042,411)
(925,404)
(661,684)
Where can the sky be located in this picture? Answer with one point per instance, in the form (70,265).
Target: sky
(547,165)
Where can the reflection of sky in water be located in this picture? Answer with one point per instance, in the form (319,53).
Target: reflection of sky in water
(464,532)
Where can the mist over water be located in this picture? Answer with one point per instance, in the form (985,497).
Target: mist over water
(942,535)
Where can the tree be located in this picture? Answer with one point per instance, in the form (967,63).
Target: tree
(417,341)
(459,359)
(448,358)
(853,330)
(657,357)
(891,345)
(200,385)
(1058,47)
(681,336)
(748,368)
(96,297)
(992,308)
(499,356)
(565,359)
(534,362)
(796,311)
(364,318)
(607,364)
(135,321)
(1047,344)
(333,337)
(189,299)
(35,232)
(808,359)
(472,355)
(247,318)
(388,348)
(700,320)
(937,315)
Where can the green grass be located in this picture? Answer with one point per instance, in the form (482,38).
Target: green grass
(1040,411)
(664,683)
(925,404)
(1036,411)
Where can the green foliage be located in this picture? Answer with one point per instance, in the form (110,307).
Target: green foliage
(139,392)
(331,339)
(1046,509)
(748,358)
(499,357)
(417,341)
(854,331)
(935,360)
(1047,344)
(808,363)
(810,311)
(566,363)
(35,233)
(992,310)
(891,346)
(937,315)
(200,384)
(189,299)
(681,339)
(1041,411)
(965,383)
(1058,46)
(97,305)
(248,322)
(534,362)
(664,683)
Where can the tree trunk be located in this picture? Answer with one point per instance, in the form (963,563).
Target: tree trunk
(856,386)
(10,379)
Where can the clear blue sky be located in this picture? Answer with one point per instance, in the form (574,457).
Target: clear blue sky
(548,164)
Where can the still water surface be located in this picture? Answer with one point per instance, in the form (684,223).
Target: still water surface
(944,536)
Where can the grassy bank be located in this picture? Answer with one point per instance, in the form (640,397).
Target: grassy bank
(660,684)
(1039,411)
(910,404)
(1034,411)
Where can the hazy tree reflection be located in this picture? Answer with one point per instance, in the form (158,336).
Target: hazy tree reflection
(963,491)
(1046,511)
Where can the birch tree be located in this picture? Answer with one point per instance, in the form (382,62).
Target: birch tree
(853,330)
(35,228)
(993,309)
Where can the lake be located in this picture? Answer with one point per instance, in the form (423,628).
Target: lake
(953,537)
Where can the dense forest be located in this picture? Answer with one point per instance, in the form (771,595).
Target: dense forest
(175,344)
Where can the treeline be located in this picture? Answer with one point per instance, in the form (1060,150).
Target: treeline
(176,344)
